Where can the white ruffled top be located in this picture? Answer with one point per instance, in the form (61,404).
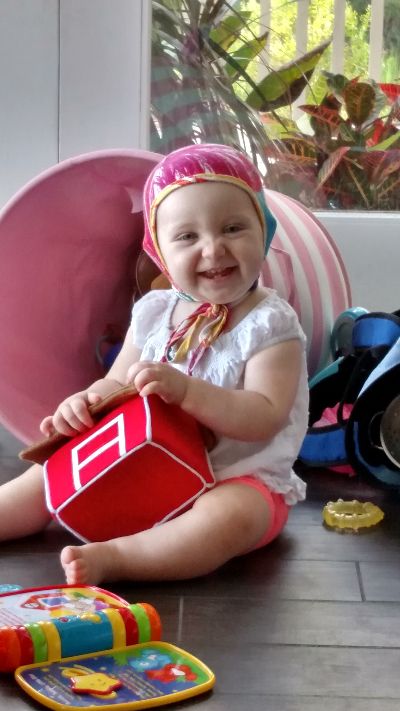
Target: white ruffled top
(272,321)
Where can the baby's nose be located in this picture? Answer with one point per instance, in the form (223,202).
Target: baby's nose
(213,246)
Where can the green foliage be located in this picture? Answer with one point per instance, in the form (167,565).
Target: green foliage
(356,50)
(352,159)
(282,87)
(207,87)
(283,32)
(204,87)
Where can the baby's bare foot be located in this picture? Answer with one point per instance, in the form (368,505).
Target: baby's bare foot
(87,564)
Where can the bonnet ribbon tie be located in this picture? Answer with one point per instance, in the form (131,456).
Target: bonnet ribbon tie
(209,320)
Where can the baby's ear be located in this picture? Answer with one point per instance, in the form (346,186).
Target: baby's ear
(146,272)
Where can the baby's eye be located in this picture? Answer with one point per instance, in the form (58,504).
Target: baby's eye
(232,228)
(186,237)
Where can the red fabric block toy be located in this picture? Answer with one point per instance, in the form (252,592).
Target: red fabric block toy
(141,464)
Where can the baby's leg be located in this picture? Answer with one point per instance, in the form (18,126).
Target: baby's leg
(222,524)
(22,505)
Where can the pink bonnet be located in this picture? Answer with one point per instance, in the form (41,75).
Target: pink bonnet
(199,163)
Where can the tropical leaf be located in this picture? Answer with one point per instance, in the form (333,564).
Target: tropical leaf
(359,100)
(372,163)
(335,82)
(228,31)
(383,173)
(300,147)
(380,102)
(279,129)
(165,33)
(248,124)
(348,136)
(244,54)
(358,180)
(392,91)
(276,127)
(387,143)
(388,164)
(326,122)
(357,150)
(323,114)
(232,62)
(375,133)
(283,86)
(343,180)
(215,10)
(193,9)
(394,112)
(329,166)
(388,191)
(293,152)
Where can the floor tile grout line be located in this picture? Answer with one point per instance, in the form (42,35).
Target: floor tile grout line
(321,601)
(180,618)
(308,645)
(360,582)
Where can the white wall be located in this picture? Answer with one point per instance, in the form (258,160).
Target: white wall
(370,246)
(103,79)
(29,90)
(74,77)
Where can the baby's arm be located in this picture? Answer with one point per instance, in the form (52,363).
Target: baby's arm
(72,415)
(258,412)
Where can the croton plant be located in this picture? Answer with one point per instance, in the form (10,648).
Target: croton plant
(351,157)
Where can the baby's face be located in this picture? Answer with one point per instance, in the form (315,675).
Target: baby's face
(212,241)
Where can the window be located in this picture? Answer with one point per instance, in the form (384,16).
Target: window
(239,73)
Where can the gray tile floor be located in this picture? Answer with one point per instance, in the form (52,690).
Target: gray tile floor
(311,621)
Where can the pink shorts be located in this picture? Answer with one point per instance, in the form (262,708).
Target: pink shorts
(277,505)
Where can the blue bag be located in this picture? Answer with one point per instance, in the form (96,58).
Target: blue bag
(367,379)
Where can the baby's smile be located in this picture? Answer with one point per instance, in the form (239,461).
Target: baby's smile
(217,273)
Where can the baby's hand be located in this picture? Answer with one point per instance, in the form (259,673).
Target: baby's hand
(159,379)
(72,416)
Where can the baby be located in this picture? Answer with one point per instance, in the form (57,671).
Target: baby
(226,350)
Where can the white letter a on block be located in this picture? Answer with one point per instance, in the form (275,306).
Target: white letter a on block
(116,432)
